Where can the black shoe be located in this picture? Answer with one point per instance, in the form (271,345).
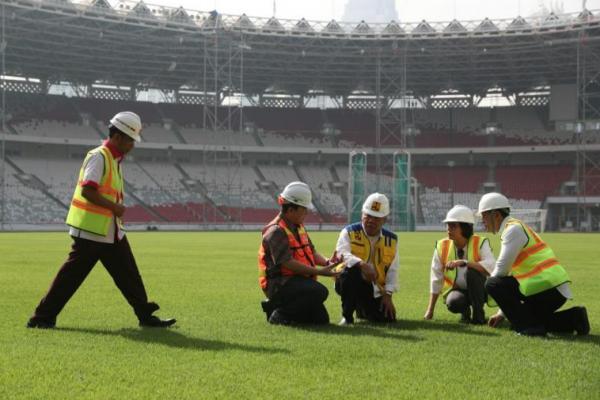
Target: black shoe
(277,318)
(478,317)
(533,331)
(267,307)
(155,322)
(582,323)
(153,307)
(40,323)
(479,321)
(465,317)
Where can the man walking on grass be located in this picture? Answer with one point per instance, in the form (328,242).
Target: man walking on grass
(95,220)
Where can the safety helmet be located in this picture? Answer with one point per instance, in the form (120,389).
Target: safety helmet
(460,213)
(297,193)
(129,123)
(376,205)
(492,201)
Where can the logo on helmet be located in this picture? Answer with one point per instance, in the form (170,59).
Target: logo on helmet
(376,206)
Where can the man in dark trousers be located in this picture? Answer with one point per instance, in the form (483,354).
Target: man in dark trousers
(370,254)
(95,220)
(528,282)
(287,262)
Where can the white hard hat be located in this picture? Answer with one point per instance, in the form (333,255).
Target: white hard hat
(492,201)
(460,213)
(376,205)
(129,123)
(297,193)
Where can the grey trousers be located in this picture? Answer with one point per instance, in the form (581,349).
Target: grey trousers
(461,301)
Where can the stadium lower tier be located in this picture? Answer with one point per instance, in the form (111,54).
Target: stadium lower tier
(39,190)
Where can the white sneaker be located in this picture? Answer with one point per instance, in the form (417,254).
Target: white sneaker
(343,322)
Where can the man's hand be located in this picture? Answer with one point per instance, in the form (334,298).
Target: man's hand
(118,210)
(92,195)
(334,259)
(387,306)
(329,271)
(368,272)
(495,320)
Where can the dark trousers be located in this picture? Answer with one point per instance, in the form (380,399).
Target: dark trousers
(301,300)
(357,295)
(118,260)
(534,311)
(458,300)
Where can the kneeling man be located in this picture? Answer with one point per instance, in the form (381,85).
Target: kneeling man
(287,263)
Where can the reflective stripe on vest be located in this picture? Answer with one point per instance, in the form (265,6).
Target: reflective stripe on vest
(384,251)
(447,252)
(90,217)
(301,252)
(536,267)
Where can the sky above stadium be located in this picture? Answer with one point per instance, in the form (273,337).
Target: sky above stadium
(408,10)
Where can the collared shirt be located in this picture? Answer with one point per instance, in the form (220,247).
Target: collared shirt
(277,251)
(437,269)
(277,245)
(514,239)
(344,250)
(92,175)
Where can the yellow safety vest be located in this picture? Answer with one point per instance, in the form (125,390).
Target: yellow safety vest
(383,253)
(447,251)
(536,267)
(90,217)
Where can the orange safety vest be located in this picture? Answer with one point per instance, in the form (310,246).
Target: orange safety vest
(301,251)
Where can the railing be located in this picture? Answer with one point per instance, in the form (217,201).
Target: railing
(133,11)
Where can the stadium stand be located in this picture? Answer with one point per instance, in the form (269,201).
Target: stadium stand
(184,170)
(55,129)
(532,182)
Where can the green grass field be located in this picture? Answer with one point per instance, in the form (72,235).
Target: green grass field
(222,346)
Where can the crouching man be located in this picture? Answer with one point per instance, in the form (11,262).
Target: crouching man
(287,262)
(370,254)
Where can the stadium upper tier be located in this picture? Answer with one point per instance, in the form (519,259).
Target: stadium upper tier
(141,46)
(52,116)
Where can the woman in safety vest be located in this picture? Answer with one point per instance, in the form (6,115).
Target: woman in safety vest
(461,262)
(528,282)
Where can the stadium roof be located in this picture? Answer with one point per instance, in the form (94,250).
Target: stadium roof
(142,46)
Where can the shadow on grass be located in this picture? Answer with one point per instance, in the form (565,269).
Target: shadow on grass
(171,338)
(592,339)
(454,327)
(358,329)
(382,329)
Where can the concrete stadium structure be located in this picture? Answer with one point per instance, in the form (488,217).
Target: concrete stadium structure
(234,107)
